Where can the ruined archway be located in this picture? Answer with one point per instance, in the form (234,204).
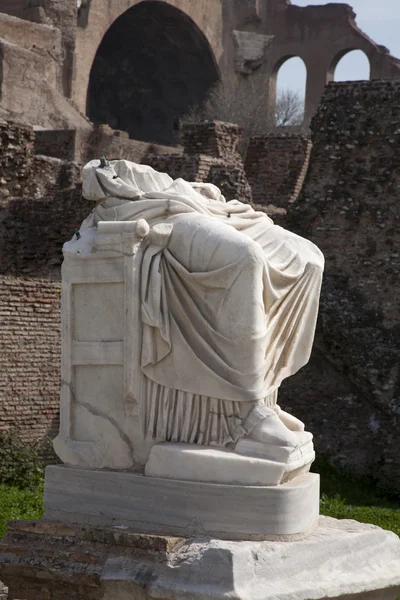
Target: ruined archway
(351,64)
(152,65)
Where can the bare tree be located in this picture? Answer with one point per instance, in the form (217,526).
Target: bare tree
(235,100)
(289,109)
(244,101)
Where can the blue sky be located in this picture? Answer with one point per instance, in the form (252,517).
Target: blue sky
(378,19)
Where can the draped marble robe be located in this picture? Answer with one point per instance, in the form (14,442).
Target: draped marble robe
(229,301)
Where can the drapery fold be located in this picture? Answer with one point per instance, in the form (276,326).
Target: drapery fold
(229,301)
(170,415)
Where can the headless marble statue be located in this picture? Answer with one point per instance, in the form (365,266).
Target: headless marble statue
(228,307)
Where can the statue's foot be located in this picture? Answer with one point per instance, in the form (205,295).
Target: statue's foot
(270,438)
(265,426)
(289,420)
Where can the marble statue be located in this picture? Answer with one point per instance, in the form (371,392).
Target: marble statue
(182,315)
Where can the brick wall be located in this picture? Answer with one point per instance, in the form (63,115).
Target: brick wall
(213,138)
(209,155)
(34,230)
(276,165)
(349,207)
(30,356)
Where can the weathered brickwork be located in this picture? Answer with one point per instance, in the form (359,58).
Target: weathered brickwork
(210,154)
(349,207)
(213,138)
(34,230)
(276,165)
(30,356)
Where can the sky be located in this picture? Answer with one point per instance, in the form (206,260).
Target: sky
(380,20)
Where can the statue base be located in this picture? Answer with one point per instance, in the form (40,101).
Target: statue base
(245,466)
(345,560)
(154,505)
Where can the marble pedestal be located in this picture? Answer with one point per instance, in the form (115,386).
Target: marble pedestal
(342,560)
(191,462)
(171,507)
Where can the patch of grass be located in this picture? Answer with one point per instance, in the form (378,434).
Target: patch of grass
(20,504)
(346,497)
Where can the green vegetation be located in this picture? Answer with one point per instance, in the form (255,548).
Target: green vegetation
(346,497)
(20,461)
(21,479)
(19,504)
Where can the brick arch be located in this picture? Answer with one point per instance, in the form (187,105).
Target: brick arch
(205,15)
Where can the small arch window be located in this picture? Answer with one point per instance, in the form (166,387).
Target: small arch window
(291,92)
(352,65)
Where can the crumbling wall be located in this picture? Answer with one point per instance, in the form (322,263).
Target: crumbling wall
(210,154)
(213,138)
(16,153)
(40,206)
(276,165)
(349,207)
(84,145)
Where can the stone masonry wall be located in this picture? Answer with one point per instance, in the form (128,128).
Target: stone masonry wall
(349,207)
(30,356)
(276,165)
(16,152)
(83,145)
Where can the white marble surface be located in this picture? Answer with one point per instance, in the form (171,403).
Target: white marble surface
(192,462)
(342,560)
(171,507)
(164,345)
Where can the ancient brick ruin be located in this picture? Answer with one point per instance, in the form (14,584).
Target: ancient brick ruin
(210,154)
(349,208)
(276,165)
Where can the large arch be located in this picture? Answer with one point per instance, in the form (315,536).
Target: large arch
(152,65)
(98,16)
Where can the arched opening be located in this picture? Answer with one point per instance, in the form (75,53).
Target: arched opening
(351,65)
(291,74)
(152,65)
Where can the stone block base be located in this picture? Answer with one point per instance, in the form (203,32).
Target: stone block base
(191,462)
(171,507)
(345,560)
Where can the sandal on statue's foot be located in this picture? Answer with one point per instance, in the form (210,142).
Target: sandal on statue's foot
(263,425)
